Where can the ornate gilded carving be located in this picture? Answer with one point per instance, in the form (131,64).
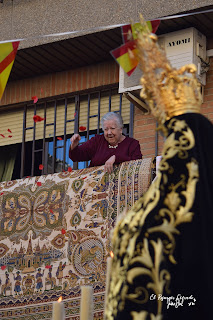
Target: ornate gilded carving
(168,92)
(140,249)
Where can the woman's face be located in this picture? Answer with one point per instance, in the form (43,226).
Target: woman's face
(112,132)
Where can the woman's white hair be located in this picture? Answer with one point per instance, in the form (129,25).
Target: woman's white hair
(112,116)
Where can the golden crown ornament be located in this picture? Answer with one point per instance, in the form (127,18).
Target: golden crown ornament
(168,91)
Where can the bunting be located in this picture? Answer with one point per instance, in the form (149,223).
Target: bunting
(7,56)
(126,54)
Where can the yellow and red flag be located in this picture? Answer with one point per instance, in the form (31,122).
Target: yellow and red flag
(129,31)
(126,55)
(8,52)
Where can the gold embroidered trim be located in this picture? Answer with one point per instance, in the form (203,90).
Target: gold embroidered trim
(134,258)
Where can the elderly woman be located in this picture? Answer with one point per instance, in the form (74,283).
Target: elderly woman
(110,148)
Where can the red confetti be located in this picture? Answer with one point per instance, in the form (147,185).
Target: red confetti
(69,169)
(82,128)
(1,193)
(2,135)
(10,136)
(59,138)
(51,211)
(84,178)
(38,183)
(37,118)
(74,114)
(48,267)
(41,167)
(35,99)
(9,130)
(63,231)
(3,267)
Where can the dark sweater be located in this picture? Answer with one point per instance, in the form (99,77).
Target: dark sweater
(97,150)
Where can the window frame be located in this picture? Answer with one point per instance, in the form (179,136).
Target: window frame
(77,97)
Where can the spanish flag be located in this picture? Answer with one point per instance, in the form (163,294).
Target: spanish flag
(129,31)
(126,55)
(7,56)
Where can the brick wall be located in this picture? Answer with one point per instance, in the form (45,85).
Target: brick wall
(61,83)
(90,77)
(207,106)
(144,125)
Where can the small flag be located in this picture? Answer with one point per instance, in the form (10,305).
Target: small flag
(7,56)
(126,56)
(129,31)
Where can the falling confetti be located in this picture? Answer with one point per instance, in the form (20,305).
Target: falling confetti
(48,266)
(9,130)
(38,184)
(3,267)
(63,231)
(2,135)
(35,99)
(82,128)
(37,118)
(69,169)
(51,211)
(10,136)
(59,138)
(74,114)
(1,193)
(41,167)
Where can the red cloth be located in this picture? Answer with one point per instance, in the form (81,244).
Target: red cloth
(97,150)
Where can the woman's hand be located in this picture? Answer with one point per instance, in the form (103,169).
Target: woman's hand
(75,141)
(108,167)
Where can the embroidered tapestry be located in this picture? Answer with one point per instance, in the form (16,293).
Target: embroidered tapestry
(55,236)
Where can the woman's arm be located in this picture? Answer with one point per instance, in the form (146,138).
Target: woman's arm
(84,152)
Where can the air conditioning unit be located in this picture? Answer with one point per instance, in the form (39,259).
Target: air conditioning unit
(181,47)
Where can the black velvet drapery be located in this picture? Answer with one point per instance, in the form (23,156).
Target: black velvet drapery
(163,263)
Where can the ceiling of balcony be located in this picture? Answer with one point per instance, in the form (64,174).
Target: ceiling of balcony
(92,48)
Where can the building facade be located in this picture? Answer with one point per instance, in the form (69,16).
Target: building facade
(76,79)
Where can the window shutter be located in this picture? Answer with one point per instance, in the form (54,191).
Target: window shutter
(13,119)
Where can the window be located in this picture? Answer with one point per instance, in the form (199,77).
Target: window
(47,142)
